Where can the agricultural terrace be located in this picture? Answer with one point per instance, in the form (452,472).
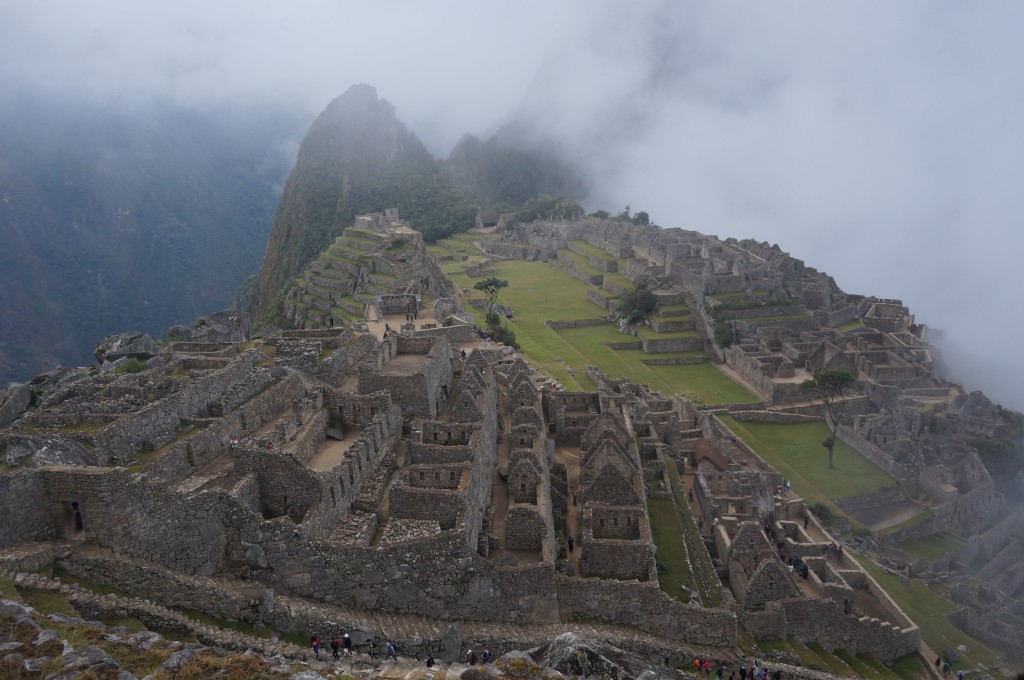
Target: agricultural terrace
(796,451)
(928,610)
(538,292)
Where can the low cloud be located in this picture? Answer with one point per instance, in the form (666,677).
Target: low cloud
(880,142)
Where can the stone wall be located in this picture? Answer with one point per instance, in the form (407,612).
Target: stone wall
(524,527)
(644,606)
(154,426)
(27,516)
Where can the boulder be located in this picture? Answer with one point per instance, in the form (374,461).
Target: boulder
(14,401)
(224,326)
(84,660)
(36,451)
(180,332)
(134,345)
(572,654)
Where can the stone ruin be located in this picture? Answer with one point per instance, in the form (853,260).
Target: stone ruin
(348,474)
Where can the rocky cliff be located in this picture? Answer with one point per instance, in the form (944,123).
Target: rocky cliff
(356,158)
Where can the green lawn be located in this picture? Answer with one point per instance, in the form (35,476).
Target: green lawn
(927,608)
(674,569)
(795,450)
(930,547)
(594,251)
(529,294)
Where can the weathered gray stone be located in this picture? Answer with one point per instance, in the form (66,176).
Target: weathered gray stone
(451,643)
(37,451)
(86,658)
(14,400)
(130,345)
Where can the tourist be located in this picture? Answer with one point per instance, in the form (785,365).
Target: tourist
(697,663)
(314,642)
(392,652)
(430,660)
(347,642)
(719,671)
(689,495)
(707,668)
(471,657)
(743,669)
(488,657)
(570,541)
(371,649)
(807,518)
(335,647)
(575,494)
(330,322)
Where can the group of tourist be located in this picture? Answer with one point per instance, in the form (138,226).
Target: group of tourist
(753,673)
(797,564)
(343,647)
(486,657)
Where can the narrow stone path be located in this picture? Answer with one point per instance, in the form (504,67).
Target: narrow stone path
(570,457)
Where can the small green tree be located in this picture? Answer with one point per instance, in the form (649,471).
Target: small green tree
(490,287)
(831,386)
(640,304)
(724,334)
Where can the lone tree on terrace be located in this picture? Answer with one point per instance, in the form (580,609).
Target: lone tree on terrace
(490,287)
(830,386)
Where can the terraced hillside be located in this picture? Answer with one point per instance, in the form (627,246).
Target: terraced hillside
(375,257)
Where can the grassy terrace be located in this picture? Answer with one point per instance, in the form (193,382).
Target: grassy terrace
(558,351)
(930,547)
(738,295)
(673,566)
(927,609)
(795,450)
(619,280)
(849,325)
(594,251)
(578,261)
(651,334)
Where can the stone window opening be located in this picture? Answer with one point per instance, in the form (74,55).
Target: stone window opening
(421,474)
(602,522)
(437,476)
(615,521)
(454,476)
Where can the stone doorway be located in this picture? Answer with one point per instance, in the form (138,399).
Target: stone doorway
(72,522)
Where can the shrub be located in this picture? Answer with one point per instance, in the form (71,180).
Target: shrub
(133,365)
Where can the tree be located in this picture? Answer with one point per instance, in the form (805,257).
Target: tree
(639,304)
(490,287)
(830,386)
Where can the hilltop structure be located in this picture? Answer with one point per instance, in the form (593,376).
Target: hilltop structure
(401,473)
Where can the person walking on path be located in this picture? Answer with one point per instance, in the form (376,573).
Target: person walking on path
(335,647)
(314,643)
(571,542)
(371,649)
(707,668)
(471,657)
(391,651)
(743,672)
(347,642)
(697,664)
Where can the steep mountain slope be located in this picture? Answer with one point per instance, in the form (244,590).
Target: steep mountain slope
(125,219)
(512,166)
(356,158)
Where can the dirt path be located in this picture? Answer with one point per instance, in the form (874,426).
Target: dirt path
(570,457)
(332,452)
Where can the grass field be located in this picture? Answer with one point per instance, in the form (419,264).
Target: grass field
(930,547)
(673,570)
(530,295)
(795,450)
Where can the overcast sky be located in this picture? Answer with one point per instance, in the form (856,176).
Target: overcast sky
(881,142)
